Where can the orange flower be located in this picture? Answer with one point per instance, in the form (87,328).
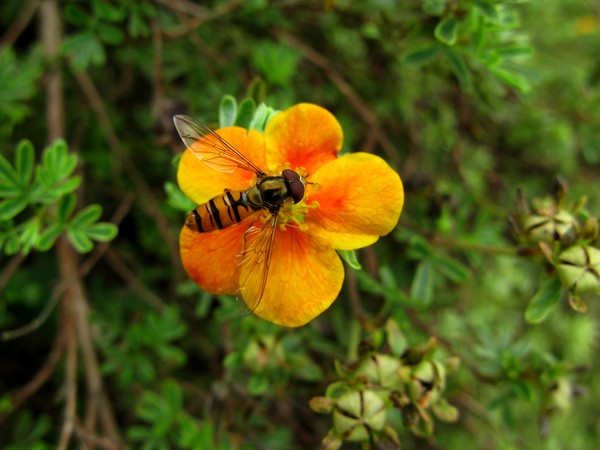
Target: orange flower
(349,202)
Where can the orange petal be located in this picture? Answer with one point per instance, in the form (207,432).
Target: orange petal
(210,258)
(305,277)
(201,183)
(304,135)
(360,198)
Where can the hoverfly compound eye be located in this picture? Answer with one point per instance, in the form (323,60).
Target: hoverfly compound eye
(295,183)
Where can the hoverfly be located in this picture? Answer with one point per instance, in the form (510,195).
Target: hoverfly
(269,194)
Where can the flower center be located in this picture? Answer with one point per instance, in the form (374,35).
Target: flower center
(294,214)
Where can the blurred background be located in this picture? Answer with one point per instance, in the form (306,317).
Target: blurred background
(469,323)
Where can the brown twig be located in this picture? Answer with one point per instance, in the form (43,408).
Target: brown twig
(201,13)
(74,311)
(133,282)
(150,204)
(362,108)
(19,24)
(100,249)
(95,441)
(354,295)
(39,320)
(10,269)
(51,35)
(69,326)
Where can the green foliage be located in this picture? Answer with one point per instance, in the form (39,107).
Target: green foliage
(37,203)
(479,104)
(246,115)
(101,25)
(18,78)
(146,349)
(276,62)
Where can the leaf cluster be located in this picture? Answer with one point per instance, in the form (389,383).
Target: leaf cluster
(46,191)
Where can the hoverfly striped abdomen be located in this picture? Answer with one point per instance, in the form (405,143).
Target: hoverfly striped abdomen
(220,212)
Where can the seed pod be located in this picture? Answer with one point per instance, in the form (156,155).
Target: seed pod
(579,268)
(590,230)
(381,369)
(358,412)
(561,225)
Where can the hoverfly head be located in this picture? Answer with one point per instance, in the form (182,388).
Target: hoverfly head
(296,184)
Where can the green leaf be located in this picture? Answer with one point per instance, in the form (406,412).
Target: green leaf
(515,51)
(418,248)
(24,161)
(79,240)
(451,268)
(435,7)
(459,68)
(172,394)
(258,384)
(259,119)
(350,257)
(66,206)
(422,285)
(84,49)
(446,30)
(86,216)
(11,207)
(487,10)
(275,61)
(511,78)
(245,113)
(12,245)
(49,236)
(102,231)
(68,186)
(303,367)
(9,190)
(6,403)
(421,56)
(58,164)
(7,173)
(30,234)
(177,199)
(227,111)
(544,299)
(395,338)
(111,11)
(270,114)
(75,15)
(110,34)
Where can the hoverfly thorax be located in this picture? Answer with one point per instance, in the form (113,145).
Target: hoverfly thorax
(272,192)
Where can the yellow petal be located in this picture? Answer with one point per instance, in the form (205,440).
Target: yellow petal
(304,135)
(304,278)
(202,183)
(360,198)
(210,258)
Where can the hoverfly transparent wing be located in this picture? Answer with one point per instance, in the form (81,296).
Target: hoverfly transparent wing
(254,261)
(210,148)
